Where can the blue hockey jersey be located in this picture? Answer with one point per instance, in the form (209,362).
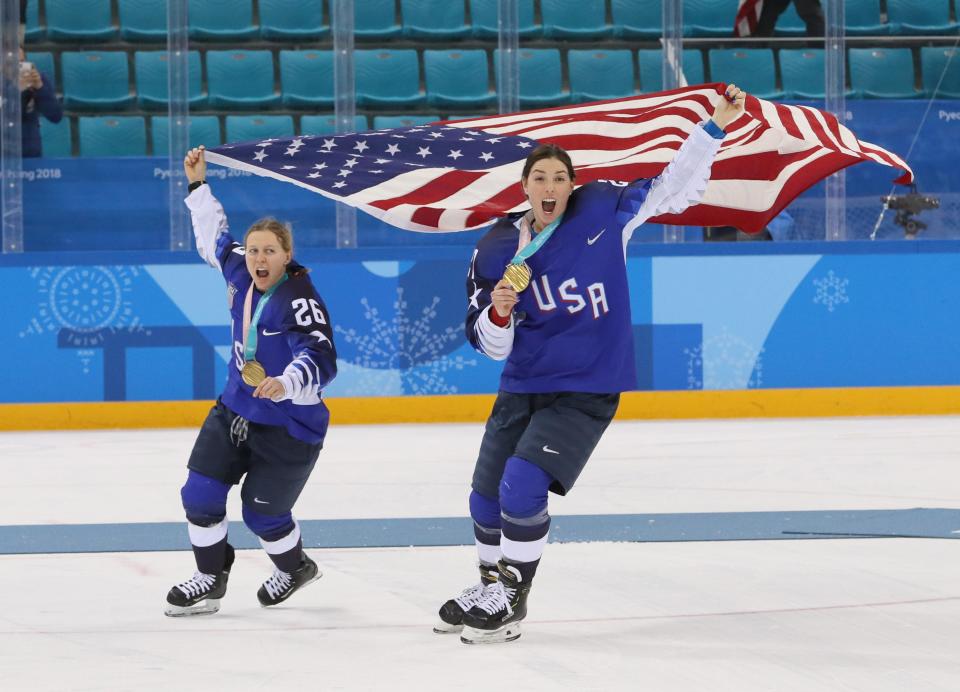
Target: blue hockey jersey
(572,329)
(294,335)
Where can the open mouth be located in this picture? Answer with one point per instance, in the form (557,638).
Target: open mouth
(548,205)
(263,273)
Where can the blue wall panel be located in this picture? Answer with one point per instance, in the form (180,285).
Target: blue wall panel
(716,318)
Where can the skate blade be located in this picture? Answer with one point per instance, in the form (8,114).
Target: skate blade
(507,633)
(207,607)
(446,628)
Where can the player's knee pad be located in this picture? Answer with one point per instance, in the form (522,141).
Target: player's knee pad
(204,499)
(484,510)
(268,527)
(523,489)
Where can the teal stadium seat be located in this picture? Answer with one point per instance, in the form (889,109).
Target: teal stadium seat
(579,20)
(292,20)
(306,78)
(541,79)
(384,122)
(376,20)
(388,78)
(44,62)
(484,14)
(143,20)
(79,20)
(882,73)
(632,19)
(241,79)
(752,69)
(96,80)
(923,18)
(112,135)
(863,18)
(152,70)
(33,32)
(596,75)
(802,70)
(651,68)
(457,78)
(249,128)
(222,20)
(55,138)
(709,17)
(434,20)
(789,24)
(204,129)
(327,124)
(933,61)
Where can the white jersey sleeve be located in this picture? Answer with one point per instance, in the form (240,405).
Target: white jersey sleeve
(683,181)
(209,223)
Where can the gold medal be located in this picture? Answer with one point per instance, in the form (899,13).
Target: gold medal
(253,373)
(518,276)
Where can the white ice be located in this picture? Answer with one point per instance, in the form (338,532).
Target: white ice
(878,615)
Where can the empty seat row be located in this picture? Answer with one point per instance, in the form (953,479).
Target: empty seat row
(127,135)
(460,79)
(449,20)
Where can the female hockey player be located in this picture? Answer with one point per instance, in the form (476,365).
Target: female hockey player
(269,423)
(567,340)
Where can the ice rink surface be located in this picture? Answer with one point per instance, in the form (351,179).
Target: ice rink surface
(864,614)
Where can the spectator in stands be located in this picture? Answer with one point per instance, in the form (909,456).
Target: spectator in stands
(810,12)
(38,97)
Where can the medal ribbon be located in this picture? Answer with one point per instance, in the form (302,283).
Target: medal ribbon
(250,326)
(527,251)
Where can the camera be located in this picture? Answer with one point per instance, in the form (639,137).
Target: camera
(907,207)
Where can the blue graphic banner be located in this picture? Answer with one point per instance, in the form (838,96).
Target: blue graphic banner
(737,317)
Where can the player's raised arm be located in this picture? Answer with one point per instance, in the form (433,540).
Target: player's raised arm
(684,180)
(206,213)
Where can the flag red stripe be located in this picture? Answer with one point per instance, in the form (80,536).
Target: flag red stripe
(438,189)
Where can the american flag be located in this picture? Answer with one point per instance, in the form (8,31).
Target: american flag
(748,14)
(459,175)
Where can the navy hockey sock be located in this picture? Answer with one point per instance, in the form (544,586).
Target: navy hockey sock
(485,512)
(211,558)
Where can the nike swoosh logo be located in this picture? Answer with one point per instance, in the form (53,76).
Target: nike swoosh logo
(260,502)
(591,241)
(546,448)
(266,333)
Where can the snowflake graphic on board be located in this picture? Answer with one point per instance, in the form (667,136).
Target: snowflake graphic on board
(407,343)
(733,363)
(831,290)
(81,305)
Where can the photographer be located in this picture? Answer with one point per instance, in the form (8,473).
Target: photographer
(38,97)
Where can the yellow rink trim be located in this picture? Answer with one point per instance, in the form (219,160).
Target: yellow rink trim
(751,403)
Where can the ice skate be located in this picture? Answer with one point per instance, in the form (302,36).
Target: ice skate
(496,618)
(201,594)
(451,612)
(281,585)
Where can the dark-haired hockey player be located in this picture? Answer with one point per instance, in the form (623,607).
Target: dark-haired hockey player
(560,317)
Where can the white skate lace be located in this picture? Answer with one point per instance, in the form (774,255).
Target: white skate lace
(496,598)
(198,584)
(277,583)
(471,596)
